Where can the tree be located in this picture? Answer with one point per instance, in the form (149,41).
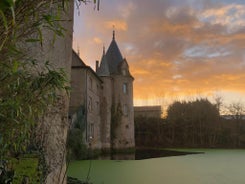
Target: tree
(193,122)
(237,111)
(219,102)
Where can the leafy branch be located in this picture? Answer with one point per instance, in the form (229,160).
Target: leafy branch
(28,86)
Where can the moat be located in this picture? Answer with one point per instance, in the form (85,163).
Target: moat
(213,166)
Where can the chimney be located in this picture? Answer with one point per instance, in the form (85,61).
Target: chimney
(97,66)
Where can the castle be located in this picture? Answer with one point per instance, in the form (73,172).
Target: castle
(102,100)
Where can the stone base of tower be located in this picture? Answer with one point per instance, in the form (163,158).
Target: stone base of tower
(123,146)
(106,148)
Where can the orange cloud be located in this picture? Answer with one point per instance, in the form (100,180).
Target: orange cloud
(139,71)
(119,25)
(97,40)
(175,49)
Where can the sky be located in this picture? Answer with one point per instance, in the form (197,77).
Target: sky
(176,49)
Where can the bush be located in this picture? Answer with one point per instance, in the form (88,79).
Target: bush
(75,145)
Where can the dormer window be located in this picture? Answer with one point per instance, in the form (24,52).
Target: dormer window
(124,72)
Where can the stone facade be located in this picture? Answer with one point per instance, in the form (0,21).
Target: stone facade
(107,97)
(123,100)
(148,111)
(106,105)
(86,96)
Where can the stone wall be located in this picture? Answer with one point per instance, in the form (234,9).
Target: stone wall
(86,91)
(106,103)
(78,89)
(123,96)
(148,111)
(93,90)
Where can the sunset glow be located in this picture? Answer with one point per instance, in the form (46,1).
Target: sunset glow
(175,49)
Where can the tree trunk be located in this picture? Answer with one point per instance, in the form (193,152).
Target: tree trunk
(54,125)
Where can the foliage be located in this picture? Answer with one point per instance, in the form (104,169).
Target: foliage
(75,144)
(6,174)
(149,132)
(19,170)
(198,117)
(24,98)
(116,115)
(26,169)
(79,121)
(28,85)
(75,141)
(192,124)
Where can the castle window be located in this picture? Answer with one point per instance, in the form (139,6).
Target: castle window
(124,72)
(125,88)
(90,134)
(90,83)
(98,88)
(91,131)
(98,107)
(125,110)
(90,105)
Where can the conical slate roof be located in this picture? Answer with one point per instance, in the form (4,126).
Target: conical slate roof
(111,60)
(114,56)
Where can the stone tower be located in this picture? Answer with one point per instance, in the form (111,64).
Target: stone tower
(117,113)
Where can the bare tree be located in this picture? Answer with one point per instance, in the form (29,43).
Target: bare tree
(219,102)
(237,111)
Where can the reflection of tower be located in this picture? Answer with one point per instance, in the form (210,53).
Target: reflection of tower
(117,116)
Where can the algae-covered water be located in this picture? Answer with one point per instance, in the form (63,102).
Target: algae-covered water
(211,167)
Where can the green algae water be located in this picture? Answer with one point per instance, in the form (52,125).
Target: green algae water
(211,167)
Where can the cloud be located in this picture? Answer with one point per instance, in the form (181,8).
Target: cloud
(174,47)
(232,16)
(118,24)
(126,9)
(97,40)
(208,51)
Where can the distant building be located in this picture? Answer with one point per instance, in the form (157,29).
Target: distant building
(85,99)
(102,100)
(148,111)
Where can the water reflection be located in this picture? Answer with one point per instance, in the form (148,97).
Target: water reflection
(118,156)
(141,154)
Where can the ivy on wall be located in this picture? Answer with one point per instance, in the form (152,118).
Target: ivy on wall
(76,147)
